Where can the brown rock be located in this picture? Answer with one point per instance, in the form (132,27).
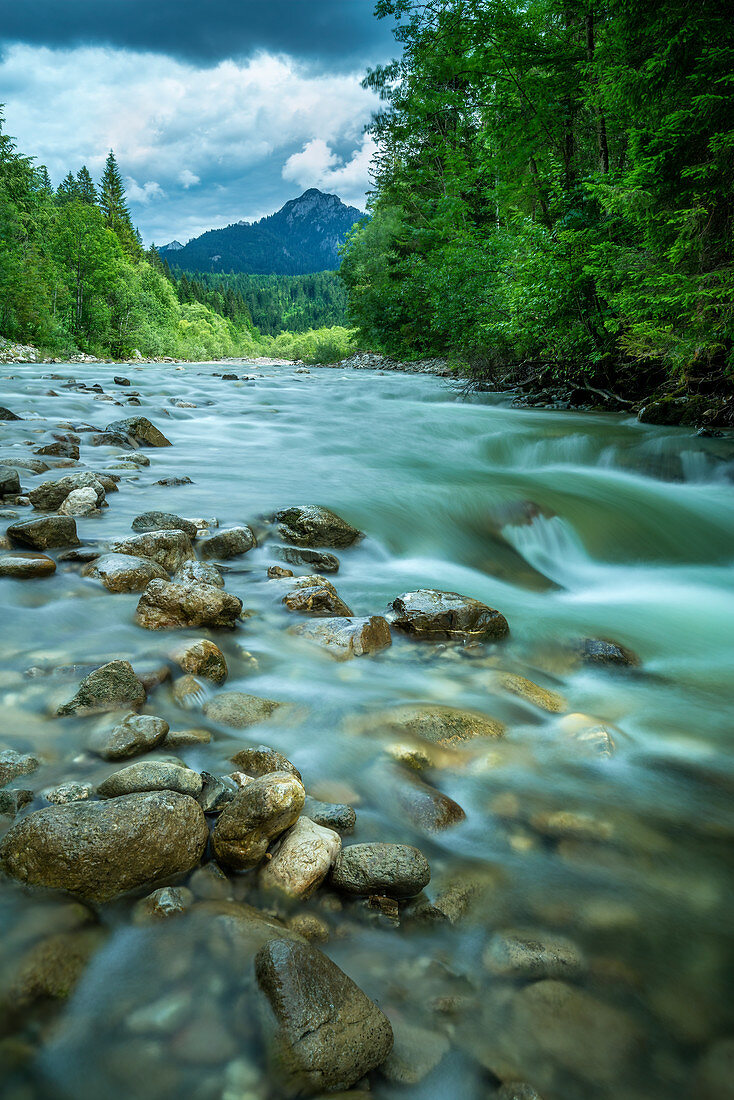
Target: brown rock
(123,572)
(24,565)
(202,658)
(345,638)
(313,526)
(259,813)
(228,544)
(432,615)
(140,430)
(45,534)
(168,606)
(259,760)
(301,859)
(170,549)
(316,596)
(110,687)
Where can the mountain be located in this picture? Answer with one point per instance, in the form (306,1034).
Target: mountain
(301,238)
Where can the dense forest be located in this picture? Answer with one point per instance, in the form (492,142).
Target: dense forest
(553,190)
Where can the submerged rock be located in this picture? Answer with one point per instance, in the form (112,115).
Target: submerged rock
(151,775)
(332,815)
(544,698)
(416,1053)
(61,448)
(45,534)
(239,710)
(110,687)
(9,482)
(141,430)
(101,849)
(319,560)
(168,606)
(313,526)
(123,572)
(531,955)
(324,1032)
(344,638)
(432,615)
(396,870)
(424,806)
(446,726)
(163,521)
(170,549)
(136,733)
(601,651)
(258,813)
(202,658)
(228,544)
(23,565)
(301,859)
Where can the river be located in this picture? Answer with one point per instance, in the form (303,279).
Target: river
(618,840)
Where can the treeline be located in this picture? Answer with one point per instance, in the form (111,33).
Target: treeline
(555,186)
(273,303)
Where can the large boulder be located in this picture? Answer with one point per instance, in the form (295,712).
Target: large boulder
(202,658)
(45,534)
(323,1032)
(239,710)
(168,606)
(140,430)
(316,596)
(395,870)
(301,859)
(163,521)
(111,687)
(432,615)
(259,812)
(50,495)
(22,565)
(101,849)
(313,526)
(228,544)
(124,573)
(135,734)
(170,549)
(343,638)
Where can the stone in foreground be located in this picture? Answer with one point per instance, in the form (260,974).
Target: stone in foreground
(259,813)
(344,638)
(110,687)
(45,534)
(50,495)
(302,859)
(434,616)
(136,733)
(123,572)
(25,565)
(101,849)
(395,870)
(312,526)
(168,606)
(324,1033)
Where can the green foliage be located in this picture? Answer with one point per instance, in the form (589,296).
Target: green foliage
(323,345)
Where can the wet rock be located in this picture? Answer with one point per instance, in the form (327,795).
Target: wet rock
(344,638)
(151,775)
(50,495)
(68,792)
(140,430)
(238,710)
(9,482)
(22,565)
(199,572)
(259,760)
(600,651)
(120,381)
(35,465)
(123,572)
(111,439)
(324,1033)
(80,502)
(529,955)
(416,1053)
(544,698)
(6,414)
(258,814)
(210,883)
(202,658)
(588,735)
(275,572)
(188,692)
(432,615)
(13,800)
(312,928)
(316,596)
(13,764)
(313,526)
(301,859)
(110,687)
(59,449)
(163,521)
(424,806)
(187,739)
(167,606)
(396,870)
(228,544)
(45,534)
(572,824)
(170,549)
(171,482)
(217,792)
(332,815)
(314,559)
(101,849)
(53,966)
(446,726)
(135,734)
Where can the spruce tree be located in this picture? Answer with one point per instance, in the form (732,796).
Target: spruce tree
(112,196)
(68,189)
(85,184)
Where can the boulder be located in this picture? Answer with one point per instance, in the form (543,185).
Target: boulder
(258,813)
(140,430)
(323,1032)
(228,544)
(239,710)
(530,955)
(59,449)
(344,638)
(394,870)
(202,658)
(80,502)
(319,560)
(316,596)
(167,606)
(110,687)
(101,849)
(13,764)
(170,549)
(163,521)
(22,565)
(199,572)
(151,775)
(301,859)
(50,495)
(45,534)
(9,482)
(259,760)
(135,734)
(123,572)
(433,616)
(313,526)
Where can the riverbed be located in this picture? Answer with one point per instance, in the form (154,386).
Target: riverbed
(603,822)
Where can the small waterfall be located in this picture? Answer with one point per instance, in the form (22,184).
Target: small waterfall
(550,545)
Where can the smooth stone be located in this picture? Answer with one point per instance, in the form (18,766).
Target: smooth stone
(396,870)
(168,606)
(216,793)
(172,482)
(337,816)
(344,638)
(13,764)
(258,814)
(187,739)
(44,534)
(528,955)
(202,658)
(601,651)
(440,725)
(199,572)
(301,859)
(416,1053)
(228,544)
(151,775)
(257,760)
(543,698)
(69,792)
(324,1032)
(110,687)
(319,560)
(101,849)
(137,733)
(141,430)
(238,710)
(313,526)
(120,381)
(50,495)
(432,615)
(163,521)
(26,565)
(59,449)
(316,596)
(9,482)
(80,502)
(34,465)
(427,808)
(170,549)
(123,572)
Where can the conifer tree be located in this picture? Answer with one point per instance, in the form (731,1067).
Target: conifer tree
(112,196)
(68,189)
(85,184)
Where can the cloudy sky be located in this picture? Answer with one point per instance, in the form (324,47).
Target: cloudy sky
(218,110)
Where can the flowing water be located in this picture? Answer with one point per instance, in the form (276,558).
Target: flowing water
(619,840)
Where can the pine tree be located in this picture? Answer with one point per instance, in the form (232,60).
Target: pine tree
(112,196)
(85,184)
(68,189)
(44,181)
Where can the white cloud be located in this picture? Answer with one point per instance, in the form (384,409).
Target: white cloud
(143,193)
(317,165)
(187,179)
